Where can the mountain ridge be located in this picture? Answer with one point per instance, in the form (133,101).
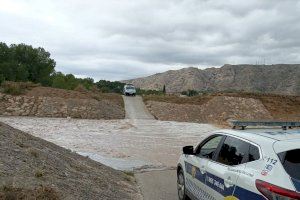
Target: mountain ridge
(276,79)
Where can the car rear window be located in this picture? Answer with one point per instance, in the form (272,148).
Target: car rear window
(291,162)
(233,151)
(253,153)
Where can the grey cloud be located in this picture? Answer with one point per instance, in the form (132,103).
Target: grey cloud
(126,39)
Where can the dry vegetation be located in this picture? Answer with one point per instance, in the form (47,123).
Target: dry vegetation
(17,88)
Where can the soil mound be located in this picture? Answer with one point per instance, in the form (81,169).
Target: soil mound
(32,168)
(217,110)
(52,102)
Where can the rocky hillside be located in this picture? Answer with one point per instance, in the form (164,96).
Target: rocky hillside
(277,79)
(34,169)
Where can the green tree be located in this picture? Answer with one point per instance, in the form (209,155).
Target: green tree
(164,89)
(36,61)
(2,78)
(109,86)
(21,73)
(58,80)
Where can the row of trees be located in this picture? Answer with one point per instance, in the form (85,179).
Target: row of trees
(24,63)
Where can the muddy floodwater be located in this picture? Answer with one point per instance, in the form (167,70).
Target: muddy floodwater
(130,144)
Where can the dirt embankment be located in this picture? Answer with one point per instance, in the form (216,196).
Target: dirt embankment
(51,102)
(32,168)
(218,108)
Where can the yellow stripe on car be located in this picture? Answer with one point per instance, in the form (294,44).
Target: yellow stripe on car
(231,198)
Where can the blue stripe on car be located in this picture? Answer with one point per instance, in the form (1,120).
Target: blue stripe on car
(243,194)
(218,185)
(296,184)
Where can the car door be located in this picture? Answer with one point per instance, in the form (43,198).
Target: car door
(224,169)
(195,166)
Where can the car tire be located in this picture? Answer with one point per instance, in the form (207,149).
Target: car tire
(181,186)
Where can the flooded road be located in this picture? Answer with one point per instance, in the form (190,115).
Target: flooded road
(122,144)
(138,143)
(135,108)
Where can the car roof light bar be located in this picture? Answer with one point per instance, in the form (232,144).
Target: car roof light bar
(283,124)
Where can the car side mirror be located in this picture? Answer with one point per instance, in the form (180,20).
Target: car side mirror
(188,150)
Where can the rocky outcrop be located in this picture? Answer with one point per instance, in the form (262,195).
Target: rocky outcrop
(277,79)
(217,110)
(41,106)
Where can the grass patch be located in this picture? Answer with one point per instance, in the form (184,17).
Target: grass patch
(128,173)
(129,176)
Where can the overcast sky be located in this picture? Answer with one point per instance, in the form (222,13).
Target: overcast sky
(122,39)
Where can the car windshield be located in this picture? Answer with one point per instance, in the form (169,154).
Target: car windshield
(129,87)
(291,162)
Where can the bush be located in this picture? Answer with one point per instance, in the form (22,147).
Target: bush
(190,93)
(110,86)
(17,88)
(12,88)
(149,92)
(80,88)
(2,78)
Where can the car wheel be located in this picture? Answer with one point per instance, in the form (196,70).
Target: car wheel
(181,186)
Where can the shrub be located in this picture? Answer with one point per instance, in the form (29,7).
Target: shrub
(80,88)
(190,93)
(12,88)
(17,88)
(2,78)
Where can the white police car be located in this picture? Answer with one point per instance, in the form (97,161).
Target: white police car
(255,164)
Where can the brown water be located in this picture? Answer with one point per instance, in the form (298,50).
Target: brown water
(130,144)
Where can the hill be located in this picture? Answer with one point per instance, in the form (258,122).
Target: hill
(276,79)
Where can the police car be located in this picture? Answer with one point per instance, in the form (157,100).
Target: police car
(251,164)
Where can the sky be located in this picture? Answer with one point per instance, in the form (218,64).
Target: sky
(124,39)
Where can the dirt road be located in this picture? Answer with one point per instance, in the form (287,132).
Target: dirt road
(161,184)
(135,108)
(146,146)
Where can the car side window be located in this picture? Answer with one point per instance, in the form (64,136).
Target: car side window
(233,152)
(253,153)
(208,149)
